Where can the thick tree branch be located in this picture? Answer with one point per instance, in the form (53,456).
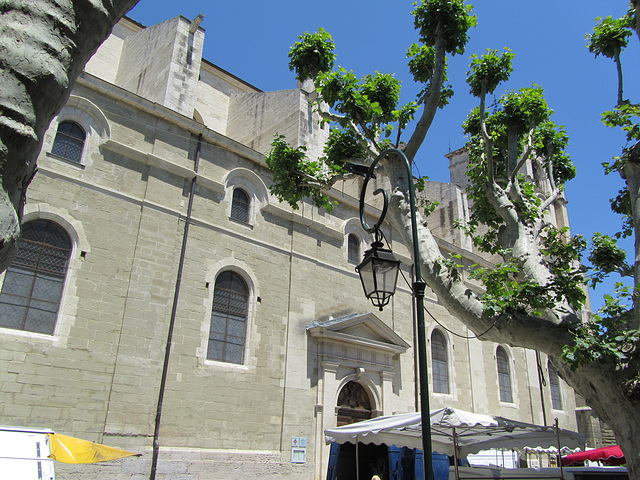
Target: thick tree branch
(431,101)
(631,174)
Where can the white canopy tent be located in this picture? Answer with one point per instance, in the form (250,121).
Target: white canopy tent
(454,432)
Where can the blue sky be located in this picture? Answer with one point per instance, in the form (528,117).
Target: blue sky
(251,39)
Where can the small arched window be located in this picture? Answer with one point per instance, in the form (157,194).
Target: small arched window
(69,141)
(554,385)
(353,249)
(504,376)
(228,319)
(240,205)
(32,287)
(439,362)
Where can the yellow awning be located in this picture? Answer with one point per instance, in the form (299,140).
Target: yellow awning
(75,450)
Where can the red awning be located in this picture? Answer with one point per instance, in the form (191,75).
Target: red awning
(607,455)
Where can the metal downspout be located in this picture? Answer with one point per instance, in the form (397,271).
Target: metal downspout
(167,350)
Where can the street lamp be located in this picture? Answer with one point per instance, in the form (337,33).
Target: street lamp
(378,274)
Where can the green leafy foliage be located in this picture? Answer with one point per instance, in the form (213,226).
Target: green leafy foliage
(373,98)
(606,257)
(295,176)
(609,36)
(341,146)
(607,338)
(312,54)
(514,114)
(450,19)
(508,290)
(489,71)
(627,117)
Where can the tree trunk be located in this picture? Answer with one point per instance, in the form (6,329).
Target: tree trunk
(44,47)
(614,395)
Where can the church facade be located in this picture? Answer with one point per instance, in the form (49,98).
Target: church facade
(161,295)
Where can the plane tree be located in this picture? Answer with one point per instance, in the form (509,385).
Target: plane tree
(535,296)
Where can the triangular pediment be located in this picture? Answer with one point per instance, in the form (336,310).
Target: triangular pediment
(359,330)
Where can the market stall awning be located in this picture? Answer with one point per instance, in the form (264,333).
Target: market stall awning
(607,455)
(469,432)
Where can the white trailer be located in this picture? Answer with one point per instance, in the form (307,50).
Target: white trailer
(24,454)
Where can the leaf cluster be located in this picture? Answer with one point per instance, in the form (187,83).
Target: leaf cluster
(295,176)
(606,338)
(312,54)
(610,36)
(489,70)
(342,145)
(448,19)
(606,257)
(515,114)
(368,99)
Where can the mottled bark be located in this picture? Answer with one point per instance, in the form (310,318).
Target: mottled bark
(43,47)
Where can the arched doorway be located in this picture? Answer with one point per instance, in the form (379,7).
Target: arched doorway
(354,404)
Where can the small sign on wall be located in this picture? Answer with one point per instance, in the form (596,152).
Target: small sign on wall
(298,449)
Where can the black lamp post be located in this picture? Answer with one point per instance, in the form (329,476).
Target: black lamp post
(379,272)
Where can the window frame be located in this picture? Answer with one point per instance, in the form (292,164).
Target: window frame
(241,205)
(354,257)
(440,376)
(555,387)
(66,139)
(235,276)
(505,386)
(37,277)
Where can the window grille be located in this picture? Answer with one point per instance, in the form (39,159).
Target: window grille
(228,319)
(32,287)
(240,205)
(439,362)
(353,246)
(504,376)
(554,385)
(69,141)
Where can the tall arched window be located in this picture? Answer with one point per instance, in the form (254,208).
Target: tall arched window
(69,141)
(354,404)
(32,287)
(240,206)
(439,362)
(554,384)
(228,318)
(504,376)
(353,246)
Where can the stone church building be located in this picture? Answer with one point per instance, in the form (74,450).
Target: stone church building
(150,223)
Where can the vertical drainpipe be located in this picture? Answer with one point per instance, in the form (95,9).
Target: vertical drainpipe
(172,321)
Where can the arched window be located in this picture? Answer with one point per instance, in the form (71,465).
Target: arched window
(354,404)
(69,141)
(240,205)
(504,376)
(32,287)
(439,362)
(353,246)
(228,318)
(554,384)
